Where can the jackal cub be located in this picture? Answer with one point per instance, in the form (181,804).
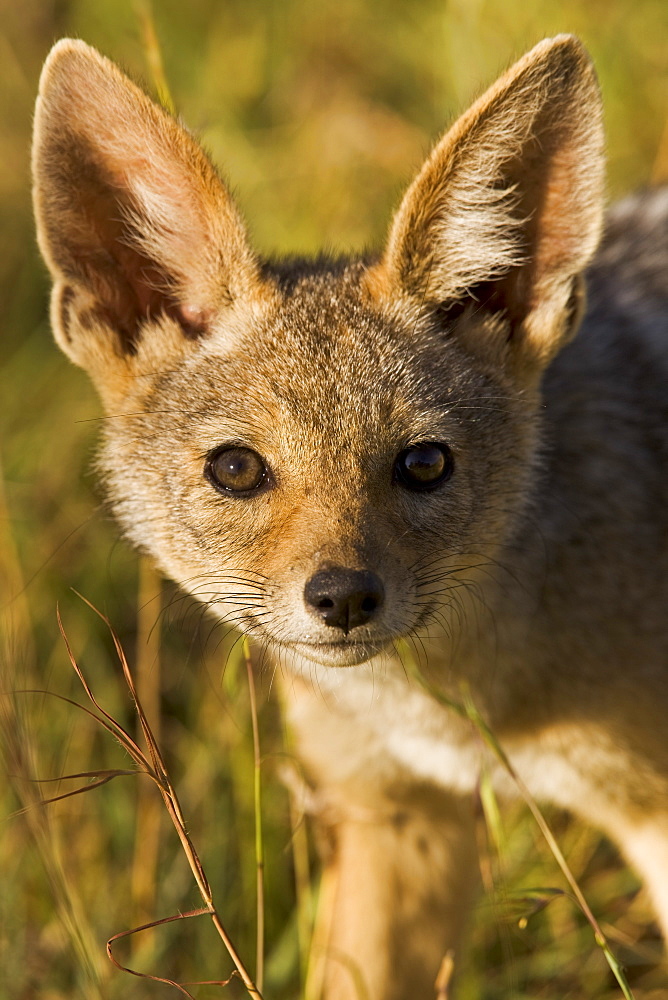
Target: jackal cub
(423,459)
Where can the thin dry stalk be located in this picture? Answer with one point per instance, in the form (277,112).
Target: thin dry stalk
(149,812)
(498,751)
(17,659)
(444,977)
(153,53)
(13,600)
(259,840)
(70,909)
(153,765)
(322,934)
(181,987)
(300,799)
(303,891)
(300,860)
(467,709)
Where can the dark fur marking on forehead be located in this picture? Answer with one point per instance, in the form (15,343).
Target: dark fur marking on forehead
(291,272)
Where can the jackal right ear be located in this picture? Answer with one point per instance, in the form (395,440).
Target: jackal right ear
(506,212)
(133,221)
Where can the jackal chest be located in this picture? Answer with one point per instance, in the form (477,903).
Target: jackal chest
(381,729)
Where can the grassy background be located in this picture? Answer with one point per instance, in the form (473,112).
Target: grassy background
(318,112)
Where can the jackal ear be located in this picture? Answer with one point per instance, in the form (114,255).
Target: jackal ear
(133,221)
(506,211)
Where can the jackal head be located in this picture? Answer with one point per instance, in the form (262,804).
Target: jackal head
(317,449)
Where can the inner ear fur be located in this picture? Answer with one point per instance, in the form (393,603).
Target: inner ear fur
(509,200)
(133,221)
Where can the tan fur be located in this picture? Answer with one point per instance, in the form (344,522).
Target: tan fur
(535,575)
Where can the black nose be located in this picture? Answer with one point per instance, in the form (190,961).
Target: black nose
(345,598)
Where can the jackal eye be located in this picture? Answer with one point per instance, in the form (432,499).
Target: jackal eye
(236,470)
(424,466)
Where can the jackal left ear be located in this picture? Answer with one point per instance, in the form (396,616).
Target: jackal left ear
(140,234)
(506,211)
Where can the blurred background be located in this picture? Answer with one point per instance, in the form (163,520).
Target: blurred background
(318,113)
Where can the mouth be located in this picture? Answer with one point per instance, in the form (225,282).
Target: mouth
(345,653)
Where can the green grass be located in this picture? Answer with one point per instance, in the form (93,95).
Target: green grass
(318,113)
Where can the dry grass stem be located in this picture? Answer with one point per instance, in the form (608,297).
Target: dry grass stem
(154,766)
(257,801)
(149,812)
(467,709)
(444,977)
(153,53)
